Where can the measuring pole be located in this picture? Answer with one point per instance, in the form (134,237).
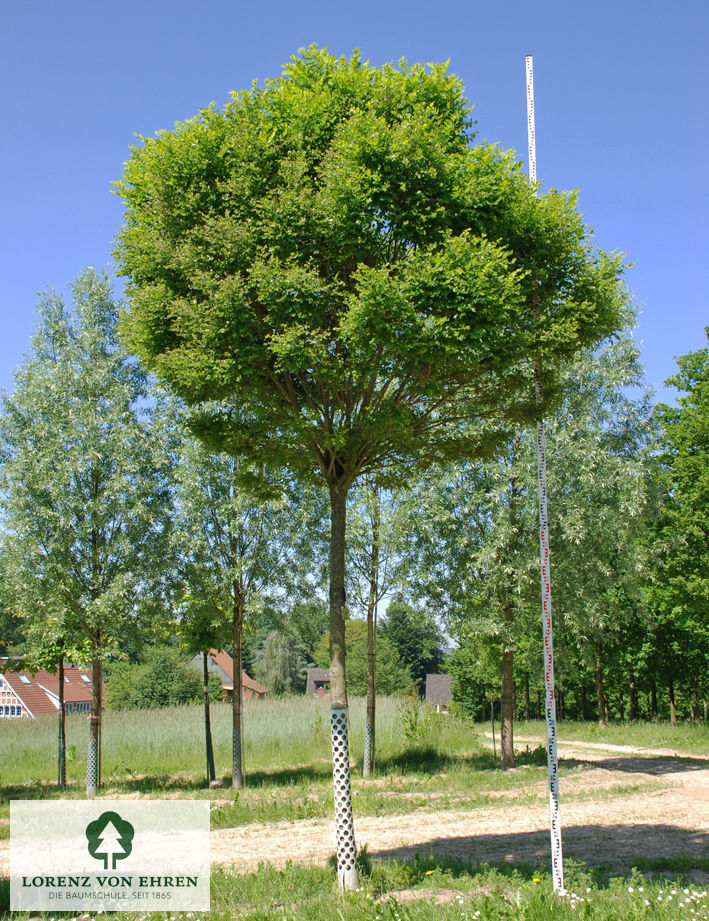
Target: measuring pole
(557,864)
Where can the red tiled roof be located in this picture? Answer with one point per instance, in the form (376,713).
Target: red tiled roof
(226,662)
(76,690)
(32,696)
(41,694)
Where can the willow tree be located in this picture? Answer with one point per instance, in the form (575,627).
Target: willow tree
(82,492)
(331,253)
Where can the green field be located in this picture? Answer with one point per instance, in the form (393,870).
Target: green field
(426,762)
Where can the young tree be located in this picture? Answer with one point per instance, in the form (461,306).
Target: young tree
(83,500)
(332,252)
(202,628)
(376,523)
(474,552)
(232,527)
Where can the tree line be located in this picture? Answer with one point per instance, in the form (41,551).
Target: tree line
(358,311)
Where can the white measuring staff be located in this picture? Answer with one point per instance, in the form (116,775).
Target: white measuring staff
(557,863)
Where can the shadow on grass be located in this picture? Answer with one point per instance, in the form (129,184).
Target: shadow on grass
(656,765)
(429,760)
(601,850)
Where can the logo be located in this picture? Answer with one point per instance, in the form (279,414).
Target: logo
(110,839)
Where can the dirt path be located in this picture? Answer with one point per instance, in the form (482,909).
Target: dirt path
(609,828)
(670,819)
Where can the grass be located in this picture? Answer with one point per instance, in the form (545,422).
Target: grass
(690,738)
(426,762)
(437,890)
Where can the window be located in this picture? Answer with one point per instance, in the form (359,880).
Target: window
(84,677)
(24,679)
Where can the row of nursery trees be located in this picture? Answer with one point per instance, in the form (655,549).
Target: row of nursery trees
(357,314)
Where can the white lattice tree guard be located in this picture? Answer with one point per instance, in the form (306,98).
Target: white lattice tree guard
(368,762)
(347,874)
(92,769)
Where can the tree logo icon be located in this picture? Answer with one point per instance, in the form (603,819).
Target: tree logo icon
(110,839)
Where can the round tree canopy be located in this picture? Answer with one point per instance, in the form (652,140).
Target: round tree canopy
(337,275)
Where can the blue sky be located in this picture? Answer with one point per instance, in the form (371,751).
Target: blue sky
(621,105)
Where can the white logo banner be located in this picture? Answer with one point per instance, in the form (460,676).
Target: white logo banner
(115,855)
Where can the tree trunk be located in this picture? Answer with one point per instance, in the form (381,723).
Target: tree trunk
(539,704)
(370,722)
(93,763)
(673,709)
(507,752)
(61,748)
(237,773)
(653,700)
(561,698)
(207,721)
(526,698)
(584,702)
(634,711)
(621,704)
(347,874)
(600,691)
(695,699)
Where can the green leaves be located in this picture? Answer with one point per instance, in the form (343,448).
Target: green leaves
(83,498)
(331,252)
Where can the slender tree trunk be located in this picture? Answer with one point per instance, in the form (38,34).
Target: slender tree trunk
(653,700)
(621,704)
(634,711)
(673,709)
(237,772)
(561,697)
(93,764)
(526,698)
(600,691)
(370,723)
(507,752)
(61,748)
(207,721)
(347,874)
(584,702)
(539,704)
(695,699)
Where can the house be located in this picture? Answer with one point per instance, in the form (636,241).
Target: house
(25,693)
(317,682)
(221,664)
(438,691)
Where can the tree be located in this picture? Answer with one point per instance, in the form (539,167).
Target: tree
(417,639)
(232,528)
(281,664)
(393,676)
(83,496)
(331,254)
(163,680)
(474,551)
(679,592)
(202,629)
(376,524)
